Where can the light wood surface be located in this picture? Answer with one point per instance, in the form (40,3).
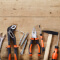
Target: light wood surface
(47,50)
(26,14)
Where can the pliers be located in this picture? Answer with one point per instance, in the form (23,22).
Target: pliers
(34,37)
(11,36)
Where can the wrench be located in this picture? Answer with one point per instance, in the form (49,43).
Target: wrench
(24,38)
(1,41)
(23,48)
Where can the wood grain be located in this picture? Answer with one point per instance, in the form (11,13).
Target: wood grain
(47,50)
(26,14)
(26,24)
(30,8)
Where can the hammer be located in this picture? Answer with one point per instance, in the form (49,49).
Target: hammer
(51,33)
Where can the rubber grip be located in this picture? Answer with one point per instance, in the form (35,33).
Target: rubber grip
(15,54)
(9,57)
(9,53)
(30,48)
(55,54)
(39,47)
(42,43)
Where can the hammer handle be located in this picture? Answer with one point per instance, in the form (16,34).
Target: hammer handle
(48,47)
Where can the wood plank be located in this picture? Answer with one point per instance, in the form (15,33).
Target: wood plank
(47,50)
(32,8)
(21,22)
(26,24)
(32,12)
(30,3)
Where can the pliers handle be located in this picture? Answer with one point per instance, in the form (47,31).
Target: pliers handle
(31,44)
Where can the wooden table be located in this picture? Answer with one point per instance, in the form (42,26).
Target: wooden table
(26,14)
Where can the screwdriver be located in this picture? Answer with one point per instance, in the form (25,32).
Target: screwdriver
(55,53)
(42,43)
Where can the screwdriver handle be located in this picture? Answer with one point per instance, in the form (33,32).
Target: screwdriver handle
(42,43)
(55,53)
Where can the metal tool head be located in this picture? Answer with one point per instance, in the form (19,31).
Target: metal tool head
(34,34)
(12,28)
(51,32)
(58,38)
(40,29)
(1,34)
(1,39)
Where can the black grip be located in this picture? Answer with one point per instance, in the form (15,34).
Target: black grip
(15,54)
(30,48)
(9,53)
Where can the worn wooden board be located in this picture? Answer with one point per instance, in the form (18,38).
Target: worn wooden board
(26,14)
(26,24)
(30,8)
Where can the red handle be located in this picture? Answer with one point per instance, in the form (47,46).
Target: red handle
(42,43)
(55,54)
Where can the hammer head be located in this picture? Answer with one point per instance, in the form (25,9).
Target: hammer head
(51,32)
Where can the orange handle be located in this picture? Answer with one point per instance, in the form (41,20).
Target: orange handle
(9,52)
(55,54)
(15,52)
(42,43)
(9,57)
(30,48)
(15,57)
(39,47)
(39,52)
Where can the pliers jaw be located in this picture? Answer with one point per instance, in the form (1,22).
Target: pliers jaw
(12,28)
(34,33)
(10,31)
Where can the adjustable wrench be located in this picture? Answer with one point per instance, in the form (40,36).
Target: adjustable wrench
(1,41)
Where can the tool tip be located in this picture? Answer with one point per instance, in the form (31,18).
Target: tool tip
(5,35)
(39,26)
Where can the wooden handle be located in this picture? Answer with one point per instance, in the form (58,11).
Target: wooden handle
(48,47)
